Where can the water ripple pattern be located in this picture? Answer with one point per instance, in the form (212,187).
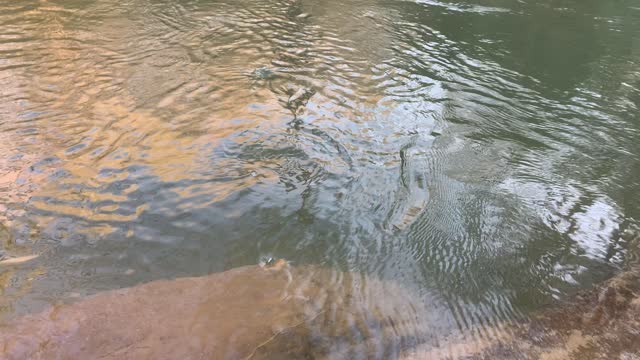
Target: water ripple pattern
(483,154)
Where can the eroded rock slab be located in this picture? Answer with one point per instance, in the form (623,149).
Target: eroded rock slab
(245,313)
(278,311)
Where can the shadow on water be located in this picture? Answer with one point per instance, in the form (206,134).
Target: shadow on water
(482,155)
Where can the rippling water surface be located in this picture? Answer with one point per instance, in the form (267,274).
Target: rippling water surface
(485,154)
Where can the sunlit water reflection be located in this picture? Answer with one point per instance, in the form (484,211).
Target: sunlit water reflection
(484,155)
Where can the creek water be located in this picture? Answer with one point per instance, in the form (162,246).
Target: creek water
(483,154)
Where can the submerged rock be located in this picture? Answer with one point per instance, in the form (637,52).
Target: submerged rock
(277,311)
(598,323)
(602,323)
(254,312)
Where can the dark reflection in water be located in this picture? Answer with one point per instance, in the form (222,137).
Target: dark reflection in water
(482,154)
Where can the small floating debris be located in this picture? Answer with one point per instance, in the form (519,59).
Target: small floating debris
(370,15)
(279,63)
(262,73)
(270,263)
(297,95)
(18,260)
(297,52)
(298,99)
(303,16)
(302,94)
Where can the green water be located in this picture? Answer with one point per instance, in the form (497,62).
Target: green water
(485,154)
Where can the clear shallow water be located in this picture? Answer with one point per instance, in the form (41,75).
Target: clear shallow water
(483,154)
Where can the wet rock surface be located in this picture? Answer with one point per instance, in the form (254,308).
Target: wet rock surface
(598,323)
(603,323)
(276,311)
(244,313)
